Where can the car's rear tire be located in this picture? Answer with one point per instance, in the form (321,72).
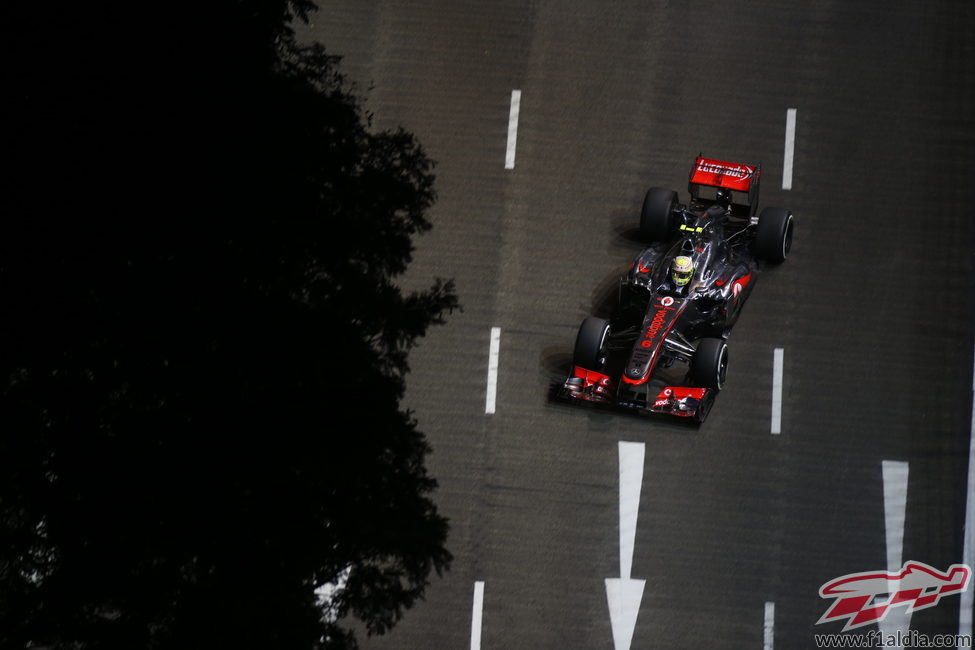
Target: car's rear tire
(773,239)
(590,350)
(657,217)
(709,367)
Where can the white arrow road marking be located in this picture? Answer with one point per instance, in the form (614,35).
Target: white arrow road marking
(895,515)
(624,598)
(631,481)
(895,511)
(623,594)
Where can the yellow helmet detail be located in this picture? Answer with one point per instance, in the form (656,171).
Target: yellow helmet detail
(681,270)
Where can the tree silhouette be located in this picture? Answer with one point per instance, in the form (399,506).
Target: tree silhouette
(203,345)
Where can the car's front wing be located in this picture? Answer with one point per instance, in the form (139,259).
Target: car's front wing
(585,385)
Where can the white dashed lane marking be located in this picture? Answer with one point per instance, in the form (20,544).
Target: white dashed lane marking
(790,148)
(769,629)
(492,378)
(509,157)
(778,360)
(476,615)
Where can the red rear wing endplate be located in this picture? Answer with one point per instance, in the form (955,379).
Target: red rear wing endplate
(718,173)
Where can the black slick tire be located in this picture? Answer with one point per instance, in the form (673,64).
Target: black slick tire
(709,367)
(773,238)
(590,349)
(657,216)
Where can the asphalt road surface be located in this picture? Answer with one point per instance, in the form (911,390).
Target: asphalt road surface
(736,527)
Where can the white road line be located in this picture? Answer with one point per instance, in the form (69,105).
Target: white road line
(631,481)
(769,626)
(777,363)
(790,148)
(895,515)
(968,547)
(623,597)
(623,594)
(476,615)
(509,157)
(895,511)
(492,378)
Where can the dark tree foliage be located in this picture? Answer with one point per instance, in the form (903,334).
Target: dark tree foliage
(202,346)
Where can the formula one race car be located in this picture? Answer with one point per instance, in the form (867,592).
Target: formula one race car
(681,296)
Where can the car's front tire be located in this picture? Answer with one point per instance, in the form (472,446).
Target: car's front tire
(709,367)
(773,238)
(590,349)
(657,216)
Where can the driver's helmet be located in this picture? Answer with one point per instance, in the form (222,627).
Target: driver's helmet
(681,270)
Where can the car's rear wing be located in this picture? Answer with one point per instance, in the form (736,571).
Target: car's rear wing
(743,181)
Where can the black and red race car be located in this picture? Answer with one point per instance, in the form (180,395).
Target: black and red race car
(664,349)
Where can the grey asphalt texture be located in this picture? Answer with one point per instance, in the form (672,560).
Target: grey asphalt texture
(873,308)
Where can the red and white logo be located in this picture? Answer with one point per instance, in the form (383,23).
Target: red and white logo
(666,301)
(715,167)
(864,598)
